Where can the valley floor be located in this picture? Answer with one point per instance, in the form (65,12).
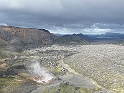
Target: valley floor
(91,68)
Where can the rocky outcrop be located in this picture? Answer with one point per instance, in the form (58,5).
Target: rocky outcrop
(25,35)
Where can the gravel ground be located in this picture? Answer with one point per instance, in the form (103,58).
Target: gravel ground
(102,63)
(89,65)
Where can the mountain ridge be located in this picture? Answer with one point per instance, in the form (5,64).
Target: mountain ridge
(11,35)
(25,35)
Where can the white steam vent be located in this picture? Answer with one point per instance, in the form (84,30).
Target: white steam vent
(41,75)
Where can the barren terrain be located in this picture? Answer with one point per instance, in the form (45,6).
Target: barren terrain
(81,68)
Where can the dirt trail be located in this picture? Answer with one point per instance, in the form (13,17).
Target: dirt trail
(67,67)
(74,72)
(79,80)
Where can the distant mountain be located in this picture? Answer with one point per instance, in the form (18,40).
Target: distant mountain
(74,38)
(113,35)
(107,38)
(19,36)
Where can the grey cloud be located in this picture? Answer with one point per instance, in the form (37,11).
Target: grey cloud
(73,15)
(108,26)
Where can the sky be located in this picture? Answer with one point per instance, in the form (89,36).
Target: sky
(65,16)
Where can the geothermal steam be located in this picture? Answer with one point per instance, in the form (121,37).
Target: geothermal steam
(41,74)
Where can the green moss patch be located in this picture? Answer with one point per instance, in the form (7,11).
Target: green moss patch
(66,88)
(7,85)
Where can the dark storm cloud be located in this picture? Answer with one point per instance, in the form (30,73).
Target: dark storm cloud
(65,16)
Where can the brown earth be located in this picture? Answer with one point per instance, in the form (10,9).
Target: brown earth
(25,35)
(3,66)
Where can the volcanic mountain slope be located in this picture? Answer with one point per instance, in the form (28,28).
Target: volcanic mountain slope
(17,35)
(20,36)
(4,37)
(3,42)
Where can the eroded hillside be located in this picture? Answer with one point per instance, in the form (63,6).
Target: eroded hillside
(17,35)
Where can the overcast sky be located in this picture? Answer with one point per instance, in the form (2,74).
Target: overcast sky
(65,16)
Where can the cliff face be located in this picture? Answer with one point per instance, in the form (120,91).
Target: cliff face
(26,35)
